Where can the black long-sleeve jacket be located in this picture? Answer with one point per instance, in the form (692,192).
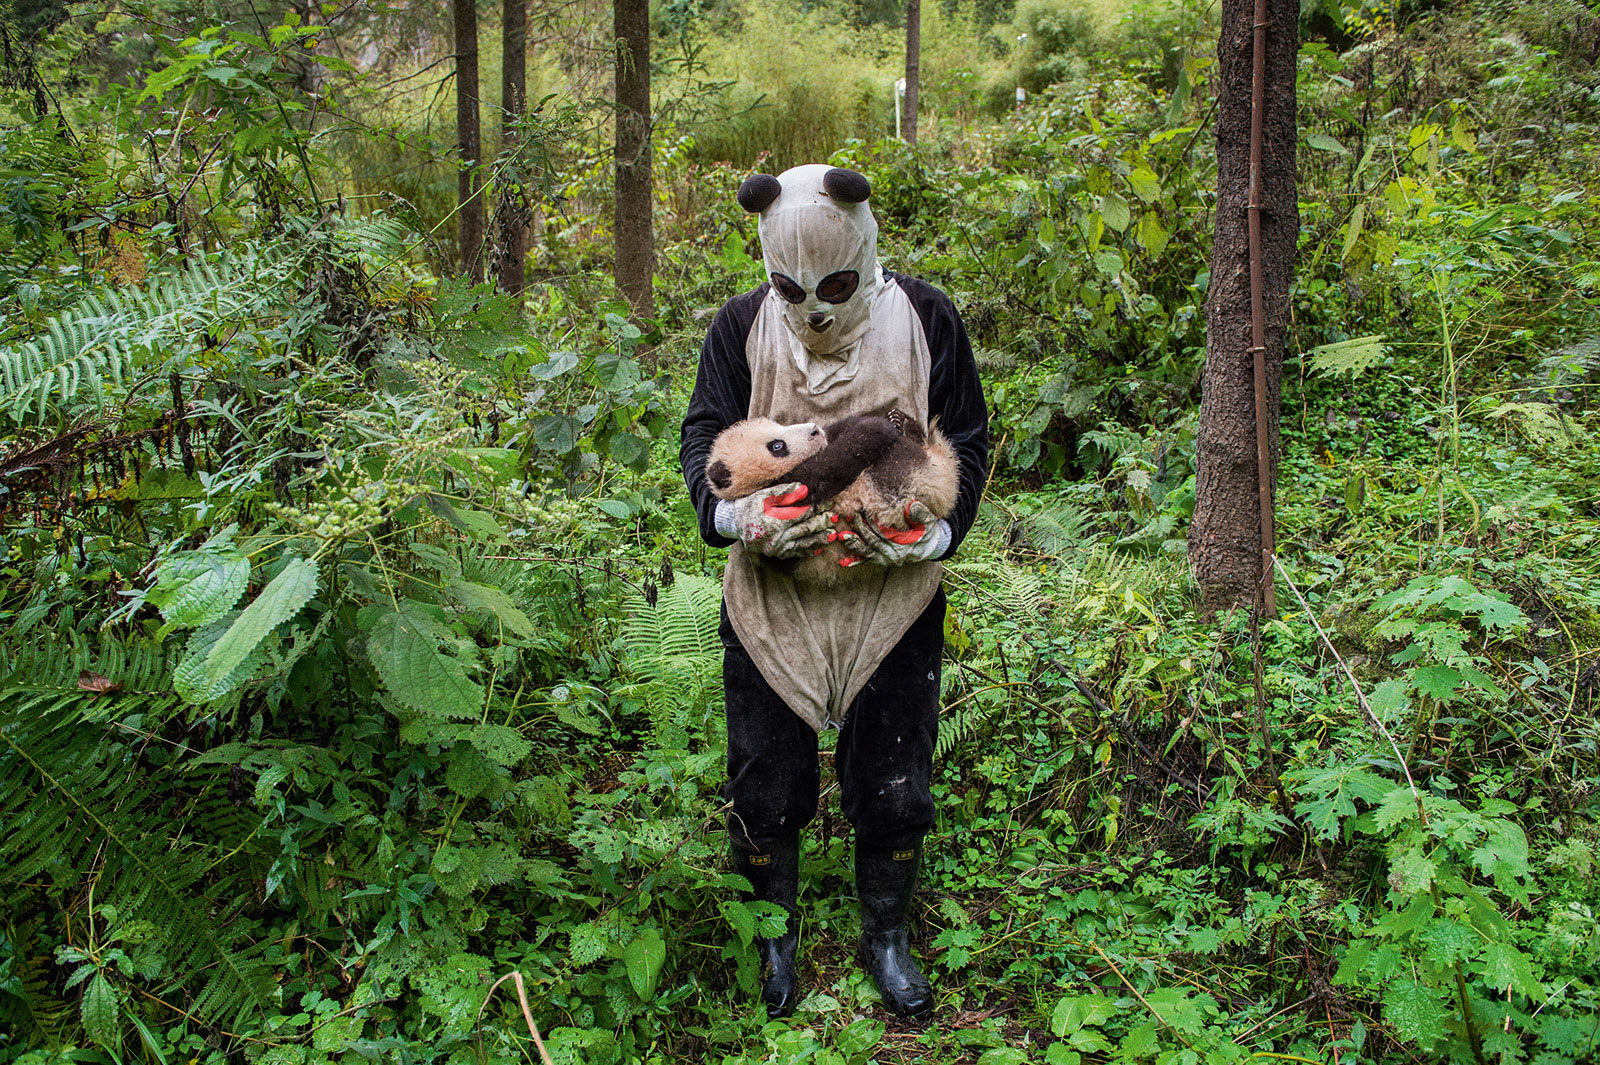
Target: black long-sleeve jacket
(955,397)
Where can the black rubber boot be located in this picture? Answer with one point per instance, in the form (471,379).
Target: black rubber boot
(885,878)
(775,876)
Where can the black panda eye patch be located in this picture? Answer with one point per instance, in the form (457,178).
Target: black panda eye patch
(838,286)
(778,447)
(788,288)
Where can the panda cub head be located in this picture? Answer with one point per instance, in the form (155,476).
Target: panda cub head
(750,455)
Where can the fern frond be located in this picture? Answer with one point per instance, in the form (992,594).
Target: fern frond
(112,332)
(77,803)
(673,647)
(1055,530)
(1008,589)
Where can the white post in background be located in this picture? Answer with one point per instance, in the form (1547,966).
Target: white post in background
(1022,94)
(899,105)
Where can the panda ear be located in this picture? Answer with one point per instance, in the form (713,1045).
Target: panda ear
(846,186)
(719,474)
(758,192)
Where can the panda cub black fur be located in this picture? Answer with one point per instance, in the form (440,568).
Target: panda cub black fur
(872,465)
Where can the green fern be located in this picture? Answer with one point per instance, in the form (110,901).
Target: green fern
(673,647)
(1056,530)
(114,331)
(77,804)
(1005,587)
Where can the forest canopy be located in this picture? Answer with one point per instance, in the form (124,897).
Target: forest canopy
(359,648)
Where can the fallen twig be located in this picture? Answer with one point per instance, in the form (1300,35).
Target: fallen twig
(515,976)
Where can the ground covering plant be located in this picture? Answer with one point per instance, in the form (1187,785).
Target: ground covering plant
(359,650)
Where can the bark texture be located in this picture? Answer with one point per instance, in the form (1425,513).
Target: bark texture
(512,215)
(635,237)
(913,67)
(1225,536)
(469,140)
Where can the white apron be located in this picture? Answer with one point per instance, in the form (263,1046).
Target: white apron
(817,646)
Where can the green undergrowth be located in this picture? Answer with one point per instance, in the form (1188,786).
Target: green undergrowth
(360,650)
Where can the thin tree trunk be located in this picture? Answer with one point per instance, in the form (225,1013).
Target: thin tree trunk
(913,67)
(635,239)
(513,213)
(469,141)
(1225,538)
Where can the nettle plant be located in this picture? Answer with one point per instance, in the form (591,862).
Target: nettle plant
(1450,967)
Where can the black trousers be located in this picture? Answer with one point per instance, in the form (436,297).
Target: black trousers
(884,758)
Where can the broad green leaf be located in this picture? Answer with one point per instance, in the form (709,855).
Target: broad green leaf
(492,601)
(1348,356)
(279,601)
(555,432)
(587,942)
(1449,941)
(437,558)
(1437,682)
(858,1037)
(196,588)
(1331,794)
(482,525)
(405,651)
(632,450)
(616,372)
(740,919)
(1416,1013)
(1398,806)
(1145,184)
(1411,873)
(1352,232)
(190,678)
(1504,966)
(559,363)
(1003,1056)
(1152,234)
(1503,856)
(1324,143)
(643,959)
(1139,1043)
(1114,211)
(500,744)
(1081,1011)
(1389,700)
(98,1008)
(1108,262)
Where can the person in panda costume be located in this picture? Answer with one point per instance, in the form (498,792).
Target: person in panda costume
(828,336)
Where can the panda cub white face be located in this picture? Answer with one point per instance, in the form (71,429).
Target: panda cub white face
(749,455)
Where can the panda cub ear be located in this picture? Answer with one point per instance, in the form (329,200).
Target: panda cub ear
(720,475)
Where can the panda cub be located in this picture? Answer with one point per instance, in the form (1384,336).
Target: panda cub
(873,465)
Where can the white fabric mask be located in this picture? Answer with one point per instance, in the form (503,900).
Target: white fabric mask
(820,246)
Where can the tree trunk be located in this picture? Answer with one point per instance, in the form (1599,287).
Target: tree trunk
(635,238)
(1225,538)
(513,213)
(913,67)
(468,139)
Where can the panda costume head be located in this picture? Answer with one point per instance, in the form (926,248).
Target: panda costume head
(820,246)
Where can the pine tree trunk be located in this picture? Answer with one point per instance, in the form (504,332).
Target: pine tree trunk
(469,141)
(635,239)
(913,67)
(1225,536)
(513,214)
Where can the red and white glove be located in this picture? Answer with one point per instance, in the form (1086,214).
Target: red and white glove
(925,537)
(775,521)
